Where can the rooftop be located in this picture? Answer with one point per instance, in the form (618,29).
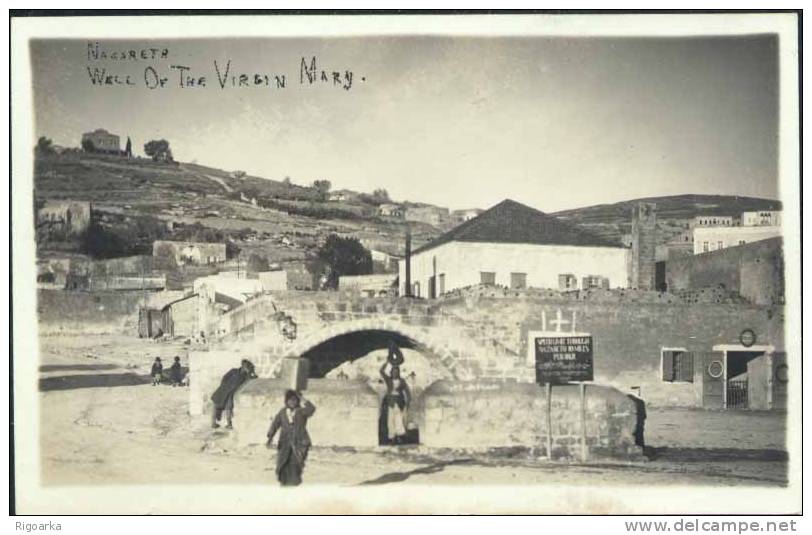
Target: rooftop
(513,222)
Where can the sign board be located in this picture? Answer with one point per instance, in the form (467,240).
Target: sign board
(561,357)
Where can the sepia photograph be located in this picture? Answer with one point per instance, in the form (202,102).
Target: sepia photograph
(471,263)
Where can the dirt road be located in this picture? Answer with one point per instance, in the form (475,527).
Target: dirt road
(106,424)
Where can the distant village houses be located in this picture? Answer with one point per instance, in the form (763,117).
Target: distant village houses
(430,215)
(712,233)
(381,285)
(391,210)
(180,253)
(71,218)
(102,141)
(461,216)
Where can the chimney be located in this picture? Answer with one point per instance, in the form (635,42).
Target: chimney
(407,283)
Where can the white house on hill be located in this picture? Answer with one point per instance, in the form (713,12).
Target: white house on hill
(515,246)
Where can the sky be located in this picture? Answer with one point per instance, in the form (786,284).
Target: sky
(553,122)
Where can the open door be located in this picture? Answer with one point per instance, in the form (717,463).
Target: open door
(779,380)
(713,379)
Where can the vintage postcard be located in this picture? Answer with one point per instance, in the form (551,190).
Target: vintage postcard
(385,264)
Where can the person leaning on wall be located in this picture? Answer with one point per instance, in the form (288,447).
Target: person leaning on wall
(223,397)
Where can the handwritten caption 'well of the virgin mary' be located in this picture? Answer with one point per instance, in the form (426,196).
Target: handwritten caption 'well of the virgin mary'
(154,68)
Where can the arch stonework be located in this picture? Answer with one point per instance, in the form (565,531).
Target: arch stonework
(427,342)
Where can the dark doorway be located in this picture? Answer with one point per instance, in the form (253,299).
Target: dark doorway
(659,277)
(737,378)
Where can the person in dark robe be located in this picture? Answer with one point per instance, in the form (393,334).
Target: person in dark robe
(157,371)
(223,397)
(294,440)
(176,372)
(395,403)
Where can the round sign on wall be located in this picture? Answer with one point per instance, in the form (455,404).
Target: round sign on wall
(747,337)
(716,369)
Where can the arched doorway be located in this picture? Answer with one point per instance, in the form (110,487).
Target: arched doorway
(357,355)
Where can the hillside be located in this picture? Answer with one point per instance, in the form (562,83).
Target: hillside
(673,212)
(279,220)
(284,221)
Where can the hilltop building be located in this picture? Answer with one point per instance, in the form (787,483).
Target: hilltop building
(515,246)
(102,141)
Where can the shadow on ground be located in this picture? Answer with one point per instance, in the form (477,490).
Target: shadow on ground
(696,455)
(72,382)
(397,477)
(76,367)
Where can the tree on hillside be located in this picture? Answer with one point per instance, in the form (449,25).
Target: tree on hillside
(257,263)
(380,195)
(88,146)
(322,187)
(339,256)
(44,146)
(158,150)
(287,181)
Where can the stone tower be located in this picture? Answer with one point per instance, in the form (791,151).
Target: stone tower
(644,243)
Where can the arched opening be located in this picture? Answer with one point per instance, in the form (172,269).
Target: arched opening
(359,355)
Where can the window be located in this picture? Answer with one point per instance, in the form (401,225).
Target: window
(518,281)
(705,247)
(416,289)
(678,366)
(720,245)
(487,277)
(442,283)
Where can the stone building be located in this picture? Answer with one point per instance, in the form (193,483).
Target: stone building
(754,270)
(102,141)
(767,218)
(178,253)
(430,215)
(713,220)
(369,285)
(708,239)
(643,246)
(390,210)
(461,216)
(515,246)
(70,218)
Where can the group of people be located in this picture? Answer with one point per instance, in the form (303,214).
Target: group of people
(291,420)
(175,372)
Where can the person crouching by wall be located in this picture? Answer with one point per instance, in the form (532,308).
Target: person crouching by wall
(223,397)
(294,440)
(157,372)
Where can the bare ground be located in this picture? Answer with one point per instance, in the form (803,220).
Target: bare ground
(102,422)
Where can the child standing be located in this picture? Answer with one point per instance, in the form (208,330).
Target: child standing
(176,373)
(157,371)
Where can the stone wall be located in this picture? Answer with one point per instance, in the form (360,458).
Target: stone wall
(88,312)
(346,412)
(754,270)
(484,336)
(484,415)
(627,337)
(457,415)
